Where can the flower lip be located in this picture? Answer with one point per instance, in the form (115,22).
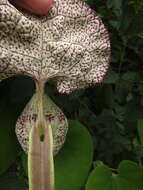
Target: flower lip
(69,44)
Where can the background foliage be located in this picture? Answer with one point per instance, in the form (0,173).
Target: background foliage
(111,111)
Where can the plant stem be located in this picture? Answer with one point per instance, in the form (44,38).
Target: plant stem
(40,155)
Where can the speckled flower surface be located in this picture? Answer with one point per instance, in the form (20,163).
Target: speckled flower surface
(52,115)
(70,44)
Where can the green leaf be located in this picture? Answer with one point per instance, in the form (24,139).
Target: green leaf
(133,173)
(9,146)
(24,162)
(100,178)
(73,162)
(140,130)
(129,177)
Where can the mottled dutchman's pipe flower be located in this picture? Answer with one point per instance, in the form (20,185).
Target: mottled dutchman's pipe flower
(69,45)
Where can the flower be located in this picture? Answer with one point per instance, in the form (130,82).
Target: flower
(70,45)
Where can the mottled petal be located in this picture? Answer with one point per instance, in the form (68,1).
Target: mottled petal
(52,115)
(69,44)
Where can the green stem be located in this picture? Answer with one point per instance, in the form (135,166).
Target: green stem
(40,155)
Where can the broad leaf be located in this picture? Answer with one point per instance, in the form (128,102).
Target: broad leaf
(72,164)
(9,146)
(129,177)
